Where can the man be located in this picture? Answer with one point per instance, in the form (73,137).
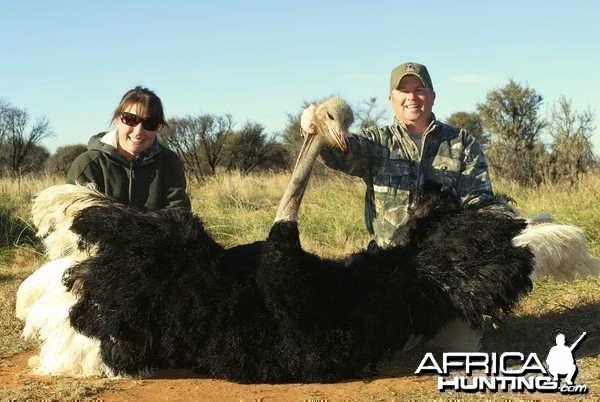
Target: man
(396,160)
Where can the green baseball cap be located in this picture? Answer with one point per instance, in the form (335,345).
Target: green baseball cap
(410,68)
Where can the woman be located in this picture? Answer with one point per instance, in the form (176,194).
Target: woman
(128,163)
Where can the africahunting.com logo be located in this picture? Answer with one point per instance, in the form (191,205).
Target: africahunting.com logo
(509,371)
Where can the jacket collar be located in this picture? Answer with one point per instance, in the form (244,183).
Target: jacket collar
(403,129)
(107,143)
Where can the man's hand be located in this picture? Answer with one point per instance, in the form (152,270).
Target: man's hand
(307,120)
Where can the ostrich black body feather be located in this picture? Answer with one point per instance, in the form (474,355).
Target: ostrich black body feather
(160,292)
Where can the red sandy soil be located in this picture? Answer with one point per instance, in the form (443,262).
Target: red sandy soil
(395,382)
(184,385)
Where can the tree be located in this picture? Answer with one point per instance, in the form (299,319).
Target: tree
(61,160)
(214,131)
(35,160)
(250,149)
(510,115)
(472,123)
(367,114)
(199,141)
(4,113)
(181,136)
(32,163)
(291,137)
(19,139)
(572,151)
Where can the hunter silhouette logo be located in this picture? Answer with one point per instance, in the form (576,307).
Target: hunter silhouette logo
(560,359)
(508,371)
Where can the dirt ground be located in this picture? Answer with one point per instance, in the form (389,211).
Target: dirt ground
(181,385)
(394,383)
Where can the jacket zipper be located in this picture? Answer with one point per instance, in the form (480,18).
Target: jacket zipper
(131,179)
(420,153)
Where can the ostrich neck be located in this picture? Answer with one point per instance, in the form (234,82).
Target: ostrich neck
(292,197)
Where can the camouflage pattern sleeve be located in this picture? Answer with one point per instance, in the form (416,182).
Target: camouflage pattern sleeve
(356,161)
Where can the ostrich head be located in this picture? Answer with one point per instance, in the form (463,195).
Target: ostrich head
(332,119)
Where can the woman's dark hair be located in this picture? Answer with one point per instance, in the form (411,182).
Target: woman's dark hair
(145,98)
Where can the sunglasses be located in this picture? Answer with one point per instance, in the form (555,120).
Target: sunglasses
(132,120)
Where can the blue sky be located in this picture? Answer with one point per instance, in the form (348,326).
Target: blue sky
(71,61)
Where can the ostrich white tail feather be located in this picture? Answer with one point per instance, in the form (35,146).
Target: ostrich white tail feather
(53,211)
(560,251)
(44,303)
(38,283)
(42,300)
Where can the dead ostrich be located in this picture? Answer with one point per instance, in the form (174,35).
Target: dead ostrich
(154,290)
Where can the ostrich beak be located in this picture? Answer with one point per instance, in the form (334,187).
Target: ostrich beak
(339,136)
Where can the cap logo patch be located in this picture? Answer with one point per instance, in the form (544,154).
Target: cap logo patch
(410,67)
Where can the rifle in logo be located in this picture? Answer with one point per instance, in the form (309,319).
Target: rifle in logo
(560,359)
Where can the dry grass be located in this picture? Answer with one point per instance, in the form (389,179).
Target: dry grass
(239,209)
(12,274)
(573,206)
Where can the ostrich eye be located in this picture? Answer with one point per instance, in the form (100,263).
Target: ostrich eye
(330,116)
